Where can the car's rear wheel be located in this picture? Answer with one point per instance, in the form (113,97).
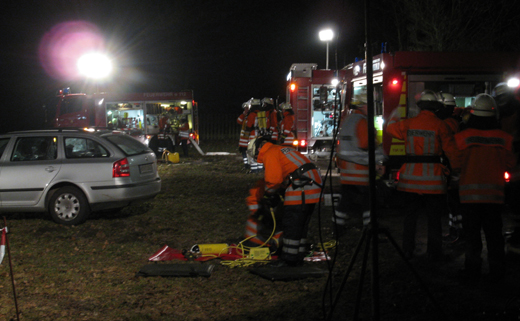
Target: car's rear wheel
(69,206)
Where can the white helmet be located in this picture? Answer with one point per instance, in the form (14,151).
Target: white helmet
(268,100)
(245,105)
(254,101)
(446,98)
(429,101)
(286,106)
(484,106)
(252,146)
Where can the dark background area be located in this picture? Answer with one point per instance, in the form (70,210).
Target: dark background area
(225,51)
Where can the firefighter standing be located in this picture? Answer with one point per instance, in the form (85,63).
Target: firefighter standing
(184,135)
(422,176)
(291,176)
(485,154)
(455,235)
(352,161)
(508,104)
(271,118)
(252,129)
(244,138)
(287,129)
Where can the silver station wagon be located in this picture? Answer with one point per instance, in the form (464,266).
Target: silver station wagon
(70,173)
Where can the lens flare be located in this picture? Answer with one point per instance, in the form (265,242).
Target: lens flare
(62,46)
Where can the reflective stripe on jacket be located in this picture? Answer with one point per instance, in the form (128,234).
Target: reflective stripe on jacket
(279,163)
(286,128)
(483,158)
(424,135)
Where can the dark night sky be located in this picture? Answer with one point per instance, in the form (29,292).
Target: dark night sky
(227,51)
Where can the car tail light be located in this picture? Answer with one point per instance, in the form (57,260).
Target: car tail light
(121,168)
(507,177)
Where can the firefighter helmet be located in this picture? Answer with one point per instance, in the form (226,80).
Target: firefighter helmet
(484,106)
(267,101)
(446,98)
(429,101)
(286,106)
(245,105)
(505,99)
(253,147)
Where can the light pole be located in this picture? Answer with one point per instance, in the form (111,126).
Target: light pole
(326,35)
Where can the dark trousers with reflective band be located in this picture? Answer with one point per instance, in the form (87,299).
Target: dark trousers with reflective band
(354,200)
(486,217)
(295,223)
(433,206)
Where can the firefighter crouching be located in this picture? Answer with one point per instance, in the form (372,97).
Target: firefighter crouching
(352,161)
(287,129)
(422,177)
(485,154)
(289,177)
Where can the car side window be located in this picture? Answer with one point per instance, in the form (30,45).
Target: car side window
(76,147)
(35,149)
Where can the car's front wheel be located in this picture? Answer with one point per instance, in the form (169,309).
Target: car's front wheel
(69,206)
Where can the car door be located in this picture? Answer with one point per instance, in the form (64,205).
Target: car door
(28,170)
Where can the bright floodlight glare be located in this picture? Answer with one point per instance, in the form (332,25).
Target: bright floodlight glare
(326,35)
(334,82)
(513,82)
(94,65)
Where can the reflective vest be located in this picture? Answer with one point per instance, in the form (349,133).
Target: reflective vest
(426,136)
(349,148)
(484,157)
(184,131)
(279,163)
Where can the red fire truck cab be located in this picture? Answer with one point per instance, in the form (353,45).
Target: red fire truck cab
(316,102)
(400,77)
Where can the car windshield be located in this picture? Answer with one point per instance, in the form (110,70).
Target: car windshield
(130,146)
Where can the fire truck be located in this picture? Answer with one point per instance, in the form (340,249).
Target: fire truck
(316,103)
(400,77)
(137,114)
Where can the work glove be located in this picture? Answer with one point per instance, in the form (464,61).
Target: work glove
(272,200)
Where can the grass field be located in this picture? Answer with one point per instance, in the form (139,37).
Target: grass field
(88,272)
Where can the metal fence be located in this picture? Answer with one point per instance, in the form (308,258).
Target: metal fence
(219,126)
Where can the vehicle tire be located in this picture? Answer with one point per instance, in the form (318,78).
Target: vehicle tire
(69,206)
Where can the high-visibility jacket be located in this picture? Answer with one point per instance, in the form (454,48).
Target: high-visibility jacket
(483,158)
(279,163)
(255,230)
(252,124)
(426,136)
(453,124)
(244,136)
(287,128)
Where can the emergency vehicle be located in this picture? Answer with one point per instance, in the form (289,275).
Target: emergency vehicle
(400,77)
(316,104)
(137,114)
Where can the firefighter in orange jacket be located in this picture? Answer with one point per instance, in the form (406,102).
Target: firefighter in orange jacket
(422,176)
(508,104)
(244,138)
(271,118)
(253,129)
(291,176)
(287,126)
(485,154)
(352,161)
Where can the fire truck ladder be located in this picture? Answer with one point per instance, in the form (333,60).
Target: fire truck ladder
(302,108)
